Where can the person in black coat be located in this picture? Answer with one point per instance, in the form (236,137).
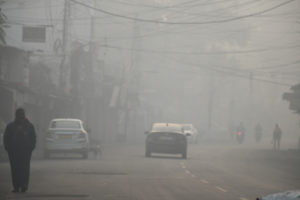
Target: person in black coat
(19,142)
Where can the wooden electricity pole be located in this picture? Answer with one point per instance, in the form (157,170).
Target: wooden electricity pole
(64,42)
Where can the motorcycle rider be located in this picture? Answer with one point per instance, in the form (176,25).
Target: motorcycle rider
(277,136)
(240,129)
(258,131)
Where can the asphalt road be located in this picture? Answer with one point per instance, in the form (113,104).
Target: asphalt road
(214,170)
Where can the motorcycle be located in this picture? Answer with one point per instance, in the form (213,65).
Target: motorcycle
(258,136)
(240,137)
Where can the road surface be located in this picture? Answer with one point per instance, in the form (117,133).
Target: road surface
(214,170)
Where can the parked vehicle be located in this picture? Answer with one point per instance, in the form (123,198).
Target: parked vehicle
(166,138)
(66,136)
(189,128)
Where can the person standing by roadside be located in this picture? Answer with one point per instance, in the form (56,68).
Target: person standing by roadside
(277,136)
(19,142)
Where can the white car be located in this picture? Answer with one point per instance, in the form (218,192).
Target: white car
(66,135)
(189,128)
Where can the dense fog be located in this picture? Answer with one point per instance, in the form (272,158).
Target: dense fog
(179,61)
(118,67)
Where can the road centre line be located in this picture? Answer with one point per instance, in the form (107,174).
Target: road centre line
(204,181)
(243,199)
(193,175)
(221,189)
(182,163)
(187,171)
(183,167)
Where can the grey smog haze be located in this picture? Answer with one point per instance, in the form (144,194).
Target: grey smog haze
(150,99)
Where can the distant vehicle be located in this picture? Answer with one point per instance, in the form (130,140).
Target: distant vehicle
(240,133)
(166,138)
(189,128)
(66,136)
(240,137)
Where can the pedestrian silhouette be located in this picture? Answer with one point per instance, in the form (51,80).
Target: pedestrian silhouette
(19,142)
(277,136)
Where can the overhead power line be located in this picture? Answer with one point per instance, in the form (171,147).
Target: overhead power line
(231,73)
(183,23)
(204,53)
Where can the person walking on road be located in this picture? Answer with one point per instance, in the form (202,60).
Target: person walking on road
(258,132)
(277,136)
(258,128)
(19,142)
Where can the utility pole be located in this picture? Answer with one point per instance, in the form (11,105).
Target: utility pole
(232,102)
(64,42)
(92,51)
(211,101)
(134,63)
(211,94)
(181,102)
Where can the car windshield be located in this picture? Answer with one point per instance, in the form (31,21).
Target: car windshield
(164,128)
(65,124)
(187,127)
